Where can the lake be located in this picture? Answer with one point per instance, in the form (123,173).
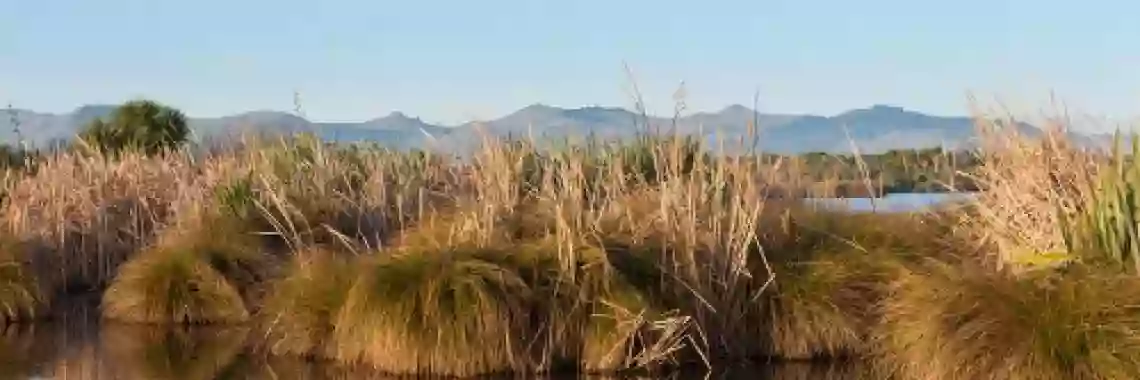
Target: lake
(898,202)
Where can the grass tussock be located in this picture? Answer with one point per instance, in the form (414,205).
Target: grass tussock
(634,257)
(172,287)
(207,274)
(458,313)
(832,269)
(947,322)
(300,313)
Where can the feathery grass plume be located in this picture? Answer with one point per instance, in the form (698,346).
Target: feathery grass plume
(952,321)
(699,229)
(310,193)
(170,352)
(85,215)
(1028,184)
(299,314)
(456,312)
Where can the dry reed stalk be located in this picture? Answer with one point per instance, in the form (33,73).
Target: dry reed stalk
(1027,184)
(85,215)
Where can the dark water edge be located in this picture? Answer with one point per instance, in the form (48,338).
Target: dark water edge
(87,349)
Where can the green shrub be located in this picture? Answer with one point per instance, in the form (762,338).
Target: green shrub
(140,125)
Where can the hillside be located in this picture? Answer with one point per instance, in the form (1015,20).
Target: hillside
(874,129)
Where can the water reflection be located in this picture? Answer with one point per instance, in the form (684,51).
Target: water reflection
(89,351)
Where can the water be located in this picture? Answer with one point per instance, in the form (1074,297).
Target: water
(899,202)
(91,350)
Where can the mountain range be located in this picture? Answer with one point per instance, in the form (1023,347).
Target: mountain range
(872,129)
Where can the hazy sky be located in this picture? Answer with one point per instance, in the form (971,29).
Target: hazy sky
(457,60)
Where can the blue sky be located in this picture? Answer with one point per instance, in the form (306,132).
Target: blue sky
(455,60)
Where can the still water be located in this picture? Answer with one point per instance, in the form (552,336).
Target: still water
(109,351)
(899,202)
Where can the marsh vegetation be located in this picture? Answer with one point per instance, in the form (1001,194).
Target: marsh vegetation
(641,257)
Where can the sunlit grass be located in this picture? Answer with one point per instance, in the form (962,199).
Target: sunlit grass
(459,312)
(301,309)
(950,322)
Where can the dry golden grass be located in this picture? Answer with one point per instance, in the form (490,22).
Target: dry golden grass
(956,322)
(457,312)
(86,215)
(527,259)
(1029,185)
(165,287)
(300,312)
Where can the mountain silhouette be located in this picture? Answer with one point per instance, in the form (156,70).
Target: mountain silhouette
(869,130)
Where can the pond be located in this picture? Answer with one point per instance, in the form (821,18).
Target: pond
(90,350)
(896,202)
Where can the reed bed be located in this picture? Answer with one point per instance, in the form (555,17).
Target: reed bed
(599,258)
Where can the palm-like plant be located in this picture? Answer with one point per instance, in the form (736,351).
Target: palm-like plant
(141,125)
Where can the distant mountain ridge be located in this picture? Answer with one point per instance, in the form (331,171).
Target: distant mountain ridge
(873,129)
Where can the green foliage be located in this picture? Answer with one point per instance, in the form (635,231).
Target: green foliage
(139,125)
(1106,227)
(899,171)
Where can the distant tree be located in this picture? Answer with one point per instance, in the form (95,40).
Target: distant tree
(141,125)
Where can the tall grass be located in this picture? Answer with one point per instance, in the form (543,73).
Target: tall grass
(634,257)
(949,322)
(300,313)
(188,277)
(462,314)
(1029,186)
(1105,225)
(85,215)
